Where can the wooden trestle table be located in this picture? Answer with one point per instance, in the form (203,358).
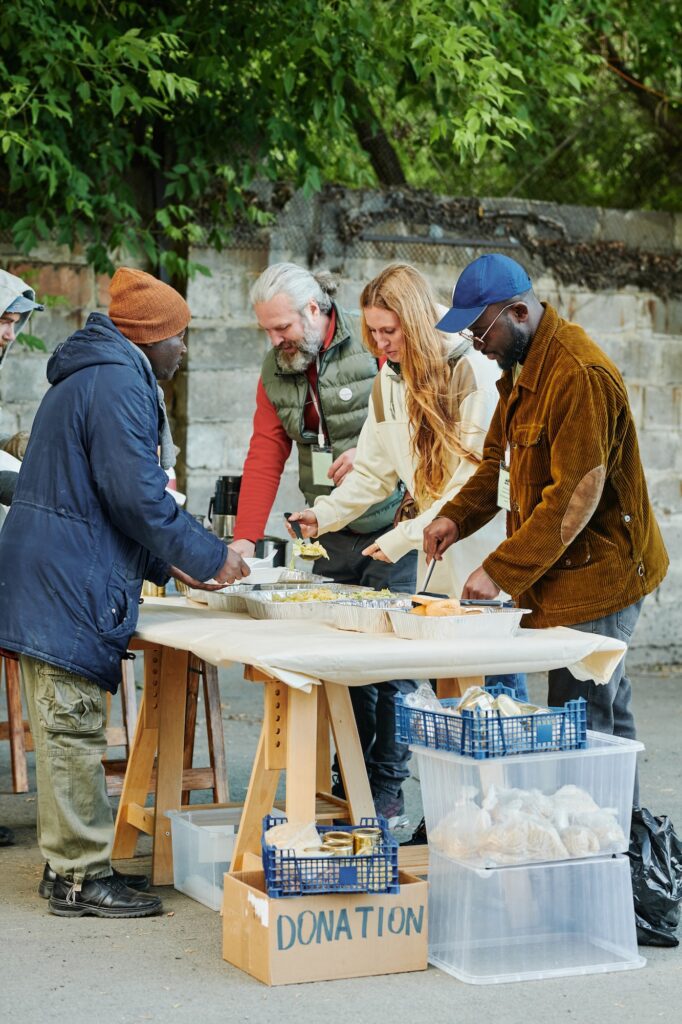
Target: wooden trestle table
(305,669)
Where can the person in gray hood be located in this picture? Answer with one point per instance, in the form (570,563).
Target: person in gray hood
(17,302)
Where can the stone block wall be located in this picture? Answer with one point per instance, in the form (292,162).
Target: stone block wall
(586,261)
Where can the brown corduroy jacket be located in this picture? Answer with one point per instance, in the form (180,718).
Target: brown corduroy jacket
(582,539)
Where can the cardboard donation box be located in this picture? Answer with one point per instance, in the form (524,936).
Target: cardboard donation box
(326,937)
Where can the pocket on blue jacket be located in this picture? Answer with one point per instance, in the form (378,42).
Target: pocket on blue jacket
(119,615)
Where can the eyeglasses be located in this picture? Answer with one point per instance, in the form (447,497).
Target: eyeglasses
(478,339)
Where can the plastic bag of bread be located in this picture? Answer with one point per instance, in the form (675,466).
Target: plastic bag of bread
(293,835)
(579,841)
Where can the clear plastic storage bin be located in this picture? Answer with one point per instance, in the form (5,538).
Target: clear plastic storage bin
(532,922)
(454,787)
(202,851)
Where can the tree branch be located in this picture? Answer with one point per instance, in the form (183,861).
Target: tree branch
(373,139)
(652,102)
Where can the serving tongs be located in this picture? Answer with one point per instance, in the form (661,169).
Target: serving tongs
(497,603)
(424,592)
(298,532)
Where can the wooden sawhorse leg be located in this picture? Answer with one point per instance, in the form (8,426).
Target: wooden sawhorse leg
(165,731)
(16,729)
(160,728)
(294,737)
(132,817)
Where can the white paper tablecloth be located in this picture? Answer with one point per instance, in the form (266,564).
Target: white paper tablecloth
(301,654)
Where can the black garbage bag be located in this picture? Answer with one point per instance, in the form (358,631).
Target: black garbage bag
(656,865)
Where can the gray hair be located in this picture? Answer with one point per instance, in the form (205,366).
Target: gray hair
(299,284)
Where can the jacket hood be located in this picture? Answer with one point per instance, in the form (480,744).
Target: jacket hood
(96,344)
(11,288)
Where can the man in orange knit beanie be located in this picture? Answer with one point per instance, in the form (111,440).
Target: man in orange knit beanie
(90,520)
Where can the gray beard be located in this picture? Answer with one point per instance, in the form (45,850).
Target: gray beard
(306,353)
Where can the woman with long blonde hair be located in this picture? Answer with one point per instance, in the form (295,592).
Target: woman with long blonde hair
(427,419)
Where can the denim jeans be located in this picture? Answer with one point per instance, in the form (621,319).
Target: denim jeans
(609,707)
(67,714)
(374,705)
(517,681)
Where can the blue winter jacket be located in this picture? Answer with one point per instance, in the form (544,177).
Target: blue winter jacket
(91,517)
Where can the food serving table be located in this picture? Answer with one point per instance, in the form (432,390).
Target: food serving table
(306,668)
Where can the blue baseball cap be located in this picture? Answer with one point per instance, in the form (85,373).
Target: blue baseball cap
(488,279)
(23,304)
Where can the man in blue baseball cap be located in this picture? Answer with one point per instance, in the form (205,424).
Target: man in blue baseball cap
(583,546)
(493,284)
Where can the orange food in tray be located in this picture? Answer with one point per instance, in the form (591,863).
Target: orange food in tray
(439,606)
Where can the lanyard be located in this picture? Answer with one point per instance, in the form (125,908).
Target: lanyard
(321,440)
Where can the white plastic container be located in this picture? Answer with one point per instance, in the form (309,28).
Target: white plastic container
(533,922)
(486,624)
(202,851)
(605,769)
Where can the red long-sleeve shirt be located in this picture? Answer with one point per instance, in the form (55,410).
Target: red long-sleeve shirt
(269,450)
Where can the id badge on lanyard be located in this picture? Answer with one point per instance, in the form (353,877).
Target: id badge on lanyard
(323,458)
(322,455)
(503,494)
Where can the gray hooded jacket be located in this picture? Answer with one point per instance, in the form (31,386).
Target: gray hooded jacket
(11,288)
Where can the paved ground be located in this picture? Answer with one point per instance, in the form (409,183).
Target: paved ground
(170,968)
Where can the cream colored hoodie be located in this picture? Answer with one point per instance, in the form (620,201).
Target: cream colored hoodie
(384,457)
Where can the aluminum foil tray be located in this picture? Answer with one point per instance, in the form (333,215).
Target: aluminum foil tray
(370,616)
(492,623)
(262,604)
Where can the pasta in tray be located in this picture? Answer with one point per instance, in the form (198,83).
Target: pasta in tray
(327,594)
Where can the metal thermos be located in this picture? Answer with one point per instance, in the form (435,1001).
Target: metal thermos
(222,514)
(222,509)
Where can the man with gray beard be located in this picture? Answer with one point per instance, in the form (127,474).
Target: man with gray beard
(314,391)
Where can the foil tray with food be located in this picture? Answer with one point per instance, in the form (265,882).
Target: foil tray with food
(230,598)
(448,619)
(300,603)
(233,599)
(369,615)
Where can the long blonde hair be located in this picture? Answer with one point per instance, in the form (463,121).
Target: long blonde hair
(426,367)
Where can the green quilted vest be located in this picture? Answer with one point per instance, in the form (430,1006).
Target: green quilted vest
(346,369)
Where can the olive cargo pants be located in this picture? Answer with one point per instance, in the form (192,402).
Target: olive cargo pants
(75,822)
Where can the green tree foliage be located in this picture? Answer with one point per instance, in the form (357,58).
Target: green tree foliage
(143,126)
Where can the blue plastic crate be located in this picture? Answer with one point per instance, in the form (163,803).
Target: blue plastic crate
(289,875)
(480,735)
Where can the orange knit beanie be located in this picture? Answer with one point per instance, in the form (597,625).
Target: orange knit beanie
(145,309)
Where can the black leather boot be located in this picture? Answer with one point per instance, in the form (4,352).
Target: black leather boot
(101,897)
(138,882)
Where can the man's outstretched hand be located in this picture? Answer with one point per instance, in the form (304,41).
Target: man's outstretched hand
(233,568)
